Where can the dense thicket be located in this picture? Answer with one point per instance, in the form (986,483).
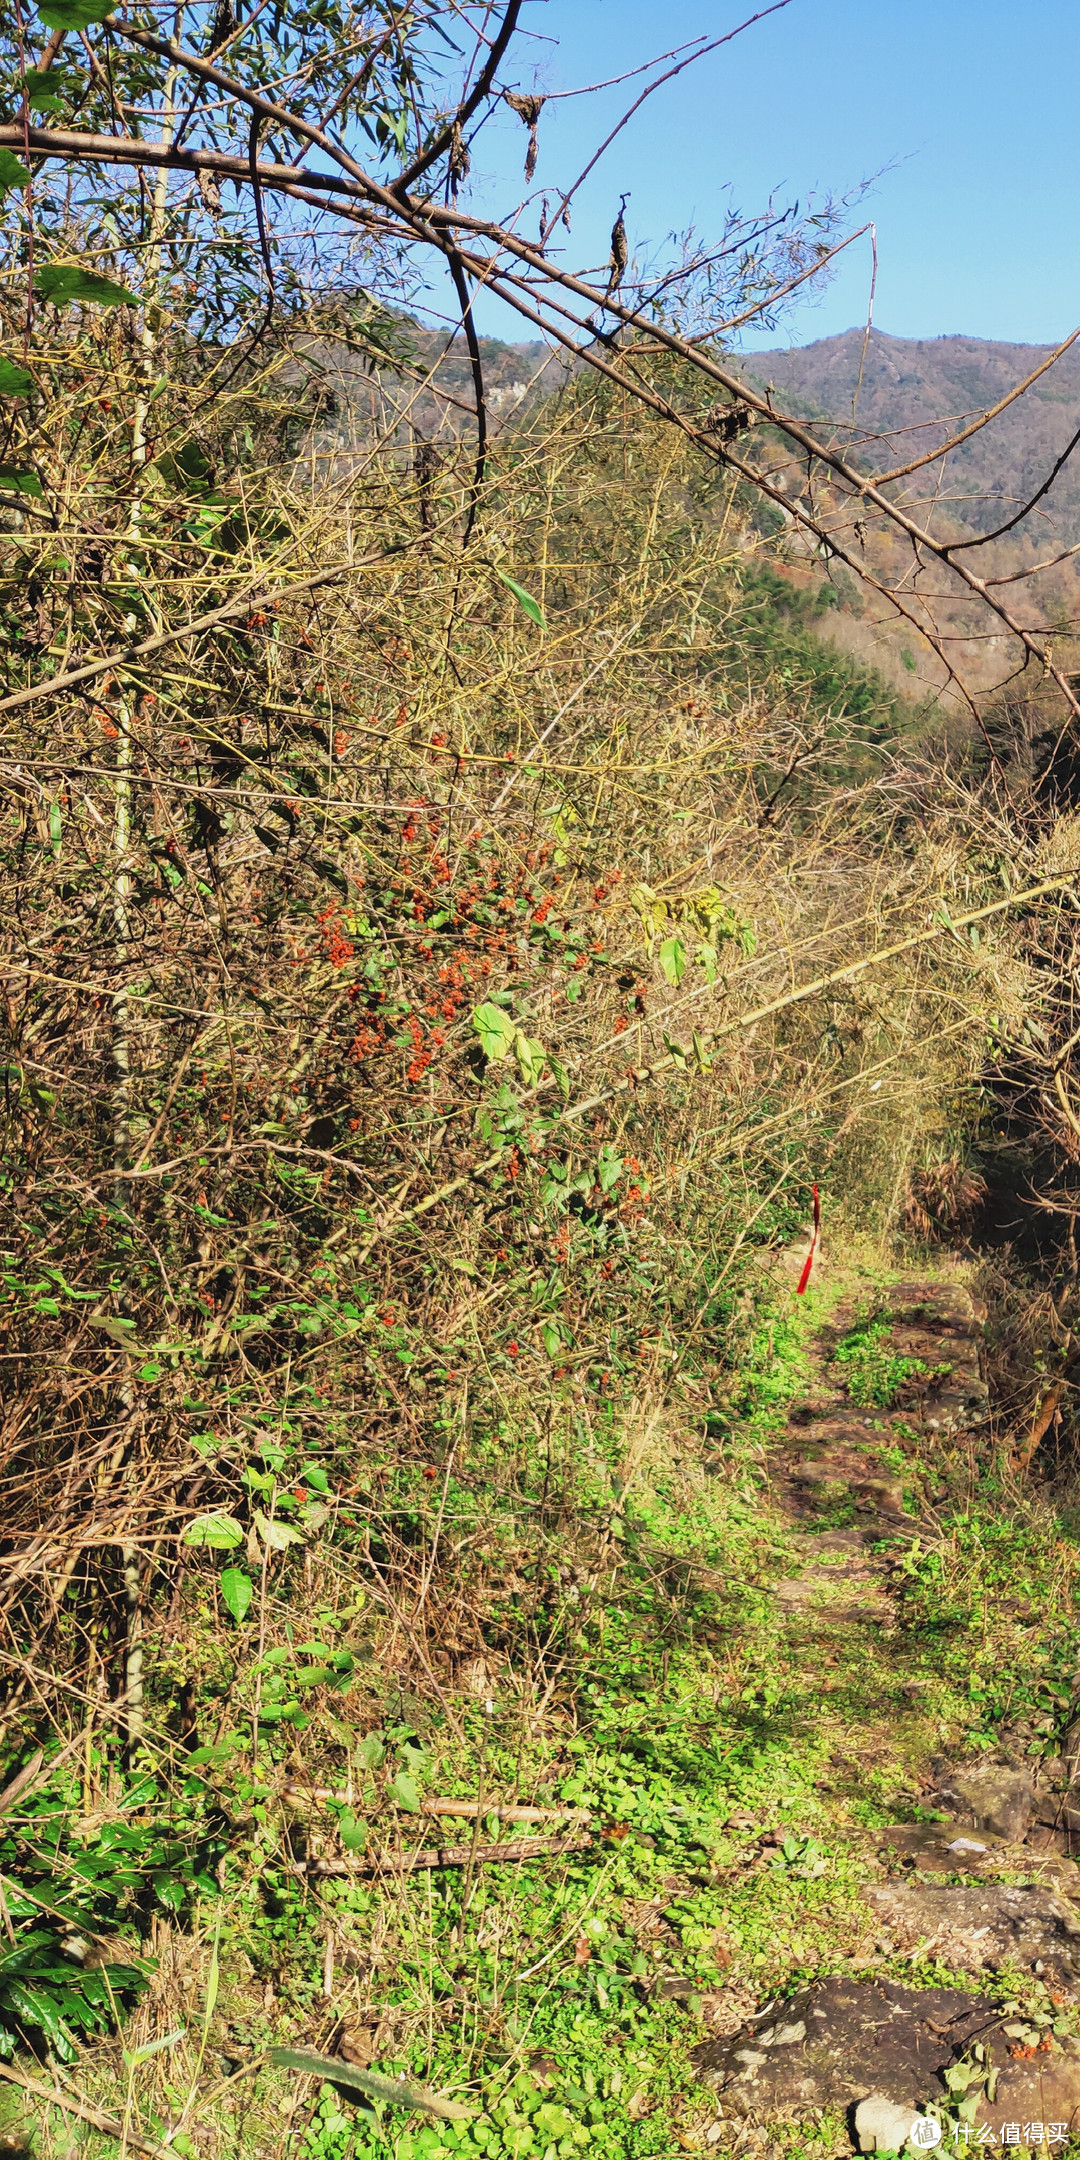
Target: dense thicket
(410,1059)
(456,913)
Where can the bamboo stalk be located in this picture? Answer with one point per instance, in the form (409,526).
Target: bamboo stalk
(436,1856)
(468,1809)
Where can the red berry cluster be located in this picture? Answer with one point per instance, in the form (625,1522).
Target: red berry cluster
(337,947)
(452,932)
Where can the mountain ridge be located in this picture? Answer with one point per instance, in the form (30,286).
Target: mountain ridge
(934,386)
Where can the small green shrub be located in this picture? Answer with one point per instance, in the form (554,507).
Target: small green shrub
(45,1995)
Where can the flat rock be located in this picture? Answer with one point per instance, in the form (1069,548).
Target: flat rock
(885,2048)
(882,2126)
(1051,1842)
(974,1926)
(949,1849)
(989,1796)
(937,1323)
(1059,1811)
(859,2037)
(845,1470)
(840,1583)
(943,1848)
(1045,2091)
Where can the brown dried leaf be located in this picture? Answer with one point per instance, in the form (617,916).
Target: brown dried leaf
(528,110)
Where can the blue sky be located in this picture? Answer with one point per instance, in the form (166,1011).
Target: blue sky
(966,109)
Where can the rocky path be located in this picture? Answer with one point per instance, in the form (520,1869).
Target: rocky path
(987,1888)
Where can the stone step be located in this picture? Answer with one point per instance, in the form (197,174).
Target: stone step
(841,2043)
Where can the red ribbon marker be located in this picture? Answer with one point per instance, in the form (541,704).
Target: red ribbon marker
(805,1276)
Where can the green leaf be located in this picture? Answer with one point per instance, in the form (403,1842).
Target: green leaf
(15,1960)
(370,1752)
(24,483)
(40,86)
(154,2047)
(704,1061)
(36,2007)
(525,601)
(531,1058)
(186,468)
(220,1532)
(402,1789)
(561,1077)
(64,282)
(236,1591)
(552,1338)
(707,960)
(958,2076)
(14,380)
(73,14)
(652,910)
(495,1029)
(85,1296)
(276,1536)
(121,1330)
(673,960)
(213,1975)
(398,2091)
(12,172)
(353,1833)
(218,1752)
(609,1169)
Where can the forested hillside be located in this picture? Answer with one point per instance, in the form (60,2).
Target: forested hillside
(1003,492)
(879,389)
(527,1071)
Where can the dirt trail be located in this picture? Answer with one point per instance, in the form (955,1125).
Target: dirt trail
(836,1450)
(985,1889)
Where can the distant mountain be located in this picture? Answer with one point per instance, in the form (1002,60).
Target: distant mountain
(912,395)
(428,394)
(915,392)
